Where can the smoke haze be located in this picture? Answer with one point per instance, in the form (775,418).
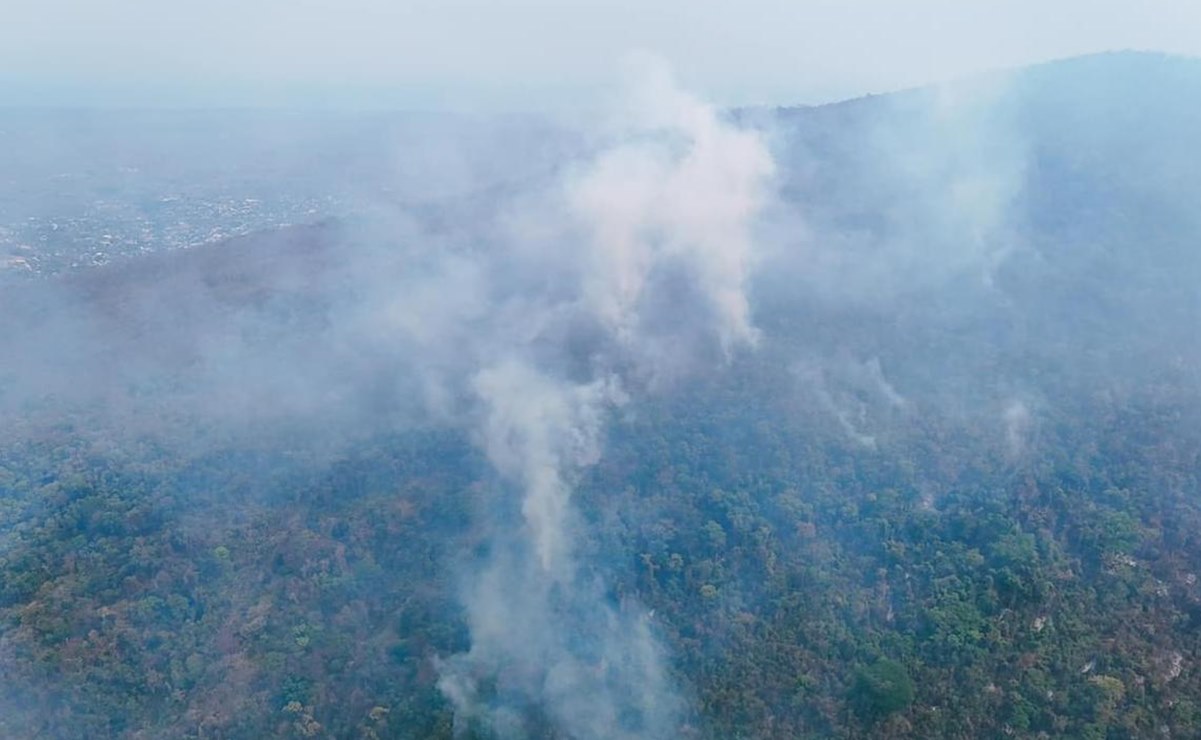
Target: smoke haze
(648,378)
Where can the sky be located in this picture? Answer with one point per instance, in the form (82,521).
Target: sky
(534,54)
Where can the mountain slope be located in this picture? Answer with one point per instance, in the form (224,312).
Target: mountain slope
(953,493)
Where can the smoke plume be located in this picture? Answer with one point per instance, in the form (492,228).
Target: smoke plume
(651,243)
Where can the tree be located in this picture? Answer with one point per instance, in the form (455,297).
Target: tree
(881,689)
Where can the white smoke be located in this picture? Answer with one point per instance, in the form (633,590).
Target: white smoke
(928,196)
(1018,422)
(857,394)
(683,185)
(673,192)
(537,428)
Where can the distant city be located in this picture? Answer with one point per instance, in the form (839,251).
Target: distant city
(108,229)
(84,188)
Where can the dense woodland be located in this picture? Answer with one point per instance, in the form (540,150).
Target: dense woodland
(953,509)
(938,590)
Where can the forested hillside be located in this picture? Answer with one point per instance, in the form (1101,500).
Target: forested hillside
(950,491)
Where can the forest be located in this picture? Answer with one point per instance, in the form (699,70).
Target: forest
(947,486)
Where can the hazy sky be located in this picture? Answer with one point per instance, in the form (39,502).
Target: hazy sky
(535,53)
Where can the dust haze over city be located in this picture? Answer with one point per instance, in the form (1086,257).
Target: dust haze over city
(580,370)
